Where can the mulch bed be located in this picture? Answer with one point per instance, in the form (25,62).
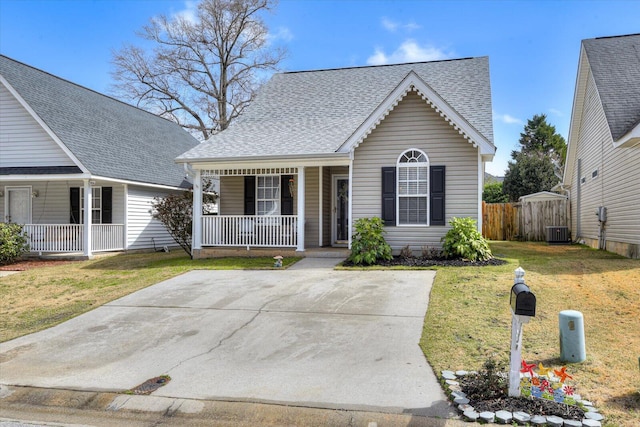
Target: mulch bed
(30,264)
(430,262)
(471,384)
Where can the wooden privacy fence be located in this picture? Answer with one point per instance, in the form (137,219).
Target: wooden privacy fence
(499,221)
(523,221)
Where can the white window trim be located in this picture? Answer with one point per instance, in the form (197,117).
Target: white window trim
(277,200)
(93,197)
(428,165)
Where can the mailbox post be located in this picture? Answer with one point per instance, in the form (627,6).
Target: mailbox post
(523,308)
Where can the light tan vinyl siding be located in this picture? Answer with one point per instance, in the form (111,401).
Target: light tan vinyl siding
(23,142)
(312,223)
(52,206)
(617,185)
(413,124)
(142,227)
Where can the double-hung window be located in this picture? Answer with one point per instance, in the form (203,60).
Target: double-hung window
(96,205)
(413,188)
(268,195)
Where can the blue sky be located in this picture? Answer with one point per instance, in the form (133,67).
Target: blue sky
(533,46)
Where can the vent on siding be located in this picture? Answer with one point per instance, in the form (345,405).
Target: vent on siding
(557,235)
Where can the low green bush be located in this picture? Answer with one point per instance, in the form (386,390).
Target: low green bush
(368,244)
(13,243)
(464,241)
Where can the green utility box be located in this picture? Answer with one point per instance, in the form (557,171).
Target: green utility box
(572,347)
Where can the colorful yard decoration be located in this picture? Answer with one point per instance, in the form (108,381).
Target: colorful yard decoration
(547,383)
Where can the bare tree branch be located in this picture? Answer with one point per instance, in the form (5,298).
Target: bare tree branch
(201,74)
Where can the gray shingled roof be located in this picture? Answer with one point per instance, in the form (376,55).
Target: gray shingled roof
(110,138)
(615,63)
(315,112)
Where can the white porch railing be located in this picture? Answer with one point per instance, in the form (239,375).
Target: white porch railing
(70,237)
(250,230)
(107,237)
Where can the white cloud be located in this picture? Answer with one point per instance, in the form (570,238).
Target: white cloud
(189,12)
(281,33)
(393,26)
(389,25)
(508,119)
(411,26)
(556,112)
(409,51)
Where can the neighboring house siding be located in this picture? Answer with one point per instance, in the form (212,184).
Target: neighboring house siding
(617,184)
(413,124)
(23,142)
(142,227)
(52,206)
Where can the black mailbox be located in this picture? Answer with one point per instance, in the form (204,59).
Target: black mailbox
(523,302)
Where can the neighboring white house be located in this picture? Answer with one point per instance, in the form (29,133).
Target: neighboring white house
(602,171)
(318,150)
(80,169)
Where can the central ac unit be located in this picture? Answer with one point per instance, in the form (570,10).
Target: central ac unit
(558,235)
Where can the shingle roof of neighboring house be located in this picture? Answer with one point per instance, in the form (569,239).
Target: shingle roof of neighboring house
(615,64)
(315,112)
(110,138)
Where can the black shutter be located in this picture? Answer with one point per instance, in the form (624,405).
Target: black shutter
(437,195)
(107,203)
(74,195)
(389,195)
(286,198)
(249,195)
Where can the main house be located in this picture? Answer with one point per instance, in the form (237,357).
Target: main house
(602,171)
(79,169)
(318,150)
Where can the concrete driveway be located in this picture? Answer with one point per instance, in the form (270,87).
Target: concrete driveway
(307,336)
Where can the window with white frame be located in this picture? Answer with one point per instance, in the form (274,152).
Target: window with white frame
(268,195)
(413,188)
(96,205)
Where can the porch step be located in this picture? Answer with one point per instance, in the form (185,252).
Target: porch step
(327,253)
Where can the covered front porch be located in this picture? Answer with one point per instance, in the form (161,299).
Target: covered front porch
(65,213)
(293,208)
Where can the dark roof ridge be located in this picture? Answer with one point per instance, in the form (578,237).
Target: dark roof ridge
(614,37)
(382,65)
(83,87)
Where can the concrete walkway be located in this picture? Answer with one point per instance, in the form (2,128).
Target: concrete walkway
(308,336)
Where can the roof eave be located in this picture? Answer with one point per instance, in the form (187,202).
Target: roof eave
(576,114)
(630,139)
(316,159)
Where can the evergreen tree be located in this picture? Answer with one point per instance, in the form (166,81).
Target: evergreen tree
(538,165)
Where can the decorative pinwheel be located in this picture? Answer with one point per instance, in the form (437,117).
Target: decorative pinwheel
(527,369)
(562,374)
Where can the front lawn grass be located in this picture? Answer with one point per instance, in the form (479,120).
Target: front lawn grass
(469,319)
(37,299)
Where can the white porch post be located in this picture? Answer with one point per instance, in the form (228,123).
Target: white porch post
(88,203)
(196,238)
(480,188)
(301,214)
(125,230)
